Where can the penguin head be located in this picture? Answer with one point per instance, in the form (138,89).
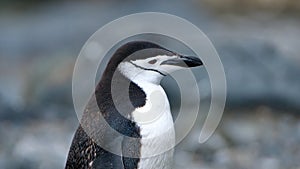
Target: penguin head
(146,61)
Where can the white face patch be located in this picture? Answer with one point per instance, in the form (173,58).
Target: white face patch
(155,63)
(148,70)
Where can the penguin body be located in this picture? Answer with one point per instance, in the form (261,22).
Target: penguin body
(131,101)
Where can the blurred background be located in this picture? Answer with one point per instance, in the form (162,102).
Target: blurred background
(258,42)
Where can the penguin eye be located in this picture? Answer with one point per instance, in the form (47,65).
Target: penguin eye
(152,61)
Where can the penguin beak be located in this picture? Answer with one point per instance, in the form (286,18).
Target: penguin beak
(184,61)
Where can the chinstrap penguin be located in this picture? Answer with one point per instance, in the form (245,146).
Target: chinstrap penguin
(132,102)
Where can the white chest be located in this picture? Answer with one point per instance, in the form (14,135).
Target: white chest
(154,119)
(157,129)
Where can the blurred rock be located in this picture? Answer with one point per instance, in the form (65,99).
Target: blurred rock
(257,74)
(36,145)
(245,6)
(269,163)
(49,81)
(268,144)
(7,111)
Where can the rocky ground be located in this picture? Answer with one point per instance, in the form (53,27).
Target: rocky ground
(260,138)
(254,138)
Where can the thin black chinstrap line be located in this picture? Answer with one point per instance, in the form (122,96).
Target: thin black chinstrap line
(146,68)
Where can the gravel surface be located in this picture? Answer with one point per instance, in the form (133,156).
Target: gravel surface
(260,138)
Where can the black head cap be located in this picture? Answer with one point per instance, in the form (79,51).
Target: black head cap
(131,47)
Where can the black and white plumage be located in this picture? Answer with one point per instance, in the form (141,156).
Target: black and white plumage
(135,70)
